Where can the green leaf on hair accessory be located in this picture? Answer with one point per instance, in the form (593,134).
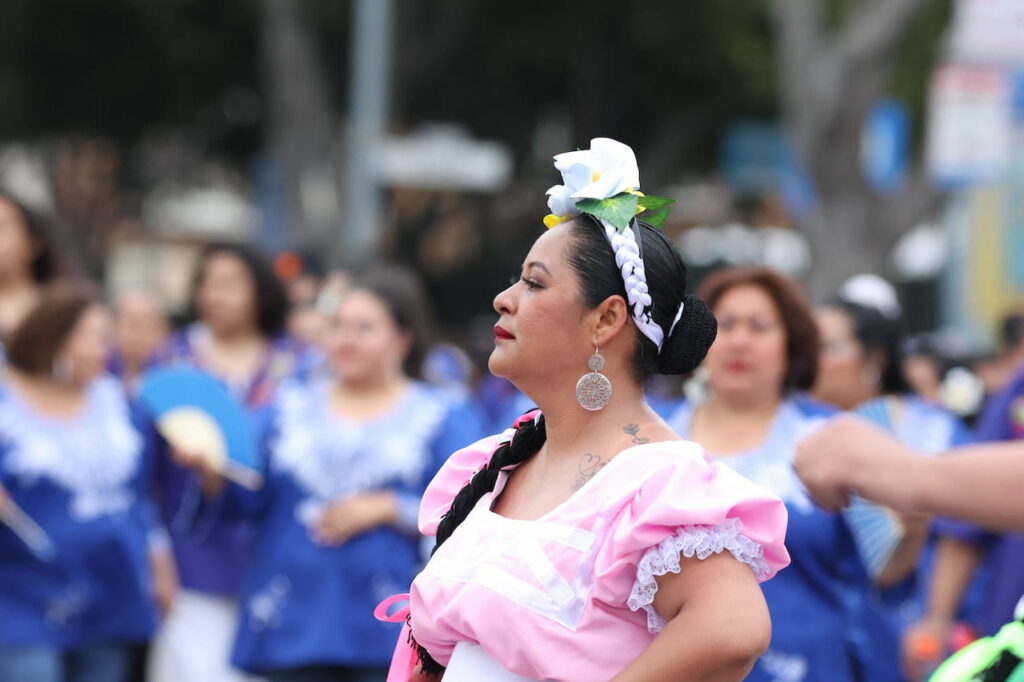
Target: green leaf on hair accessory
(617,210)
(655,209)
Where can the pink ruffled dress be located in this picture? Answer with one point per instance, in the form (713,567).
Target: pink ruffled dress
(569,596)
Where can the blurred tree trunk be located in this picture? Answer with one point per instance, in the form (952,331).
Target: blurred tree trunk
(829,80)
(303,135)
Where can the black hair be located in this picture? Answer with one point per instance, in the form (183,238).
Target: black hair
(271,299)
(877,333)
(594,262)
(401,292)
(592,258)
(1011,331)
(47,264)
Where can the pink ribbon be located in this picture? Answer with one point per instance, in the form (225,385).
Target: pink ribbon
(381,612)
(405,658)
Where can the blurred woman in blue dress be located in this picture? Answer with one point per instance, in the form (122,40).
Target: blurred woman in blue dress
(348,457)
(238,336)
(75,586)
(766,352)
(862,368)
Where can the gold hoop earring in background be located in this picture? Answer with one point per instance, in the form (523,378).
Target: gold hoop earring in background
(593,390)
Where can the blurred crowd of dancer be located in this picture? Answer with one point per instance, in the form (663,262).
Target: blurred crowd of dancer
(160,570)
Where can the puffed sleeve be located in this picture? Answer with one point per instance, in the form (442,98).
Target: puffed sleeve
(452,476)
(690,506)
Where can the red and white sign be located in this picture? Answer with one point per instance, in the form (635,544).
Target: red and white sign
(970,124)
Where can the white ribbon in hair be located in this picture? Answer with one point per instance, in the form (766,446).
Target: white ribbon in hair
(634,277)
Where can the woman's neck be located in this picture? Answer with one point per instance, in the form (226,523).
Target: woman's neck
(390,382)
(571,429)
(16,284)
(235,338)
(370,397)
(233,356)
(729,425)
(854,401)
(51,398)
(743,406)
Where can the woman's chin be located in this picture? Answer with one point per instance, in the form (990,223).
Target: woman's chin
(499,363)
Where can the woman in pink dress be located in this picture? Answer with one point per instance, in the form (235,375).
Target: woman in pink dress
(588,542)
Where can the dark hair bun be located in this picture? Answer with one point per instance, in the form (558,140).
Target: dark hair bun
(684,350)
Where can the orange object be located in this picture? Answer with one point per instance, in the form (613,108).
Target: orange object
(925,647)
(288,265)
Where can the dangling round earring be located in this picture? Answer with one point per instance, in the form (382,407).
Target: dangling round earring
(593,390)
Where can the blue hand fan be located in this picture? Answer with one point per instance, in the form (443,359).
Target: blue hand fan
(876,530)
(197,414)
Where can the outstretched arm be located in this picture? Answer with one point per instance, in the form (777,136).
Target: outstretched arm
(717,625)
(979,483)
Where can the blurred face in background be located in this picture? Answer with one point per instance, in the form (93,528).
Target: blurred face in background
(17,249)
(847,376)
(226,296)
(747,361)
(88,344)
(364,344)
(306,323)
(924,374)
(141,326)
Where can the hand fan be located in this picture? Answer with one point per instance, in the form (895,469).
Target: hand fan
(197,414)
(876,530)
(15,518)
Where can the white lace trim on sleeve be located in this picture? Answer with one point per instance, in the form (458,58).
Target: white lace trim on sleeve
(690,541)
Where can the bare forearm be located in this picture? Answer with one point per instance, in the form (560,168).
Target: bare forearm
(980,483)
(955,563)
(905,558)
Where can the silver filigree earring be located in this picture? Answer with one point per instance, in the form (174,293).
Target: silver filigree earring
(593,390)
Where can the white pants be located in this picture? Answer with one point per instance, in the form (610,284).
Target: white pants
(194,641)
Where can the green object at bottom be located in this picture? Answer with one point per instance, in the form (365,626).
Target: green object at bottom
(971,662)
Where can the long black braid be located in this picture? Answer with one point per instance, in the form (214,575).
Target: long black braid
(526,441)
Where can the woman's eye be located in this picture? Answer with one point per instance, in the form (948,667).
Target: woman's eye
(531,283)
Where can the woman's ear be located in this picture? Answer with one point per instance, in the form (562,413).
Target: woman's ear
(611,316)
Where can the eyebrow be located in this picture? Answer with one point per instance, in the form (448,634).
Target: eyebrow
(538,264)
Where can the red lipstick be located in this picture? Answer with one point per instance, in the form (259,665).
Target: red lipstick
(501,333)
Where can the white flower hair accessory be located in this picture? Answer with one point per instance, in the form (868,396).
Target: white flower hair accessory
(604,181)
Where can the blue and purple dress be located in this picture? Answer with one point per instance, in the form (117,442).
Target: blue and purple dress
(211,557)
(304,603)
(85,481)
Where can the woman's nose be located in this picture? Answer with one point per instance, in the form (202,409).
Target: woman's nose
(504,302)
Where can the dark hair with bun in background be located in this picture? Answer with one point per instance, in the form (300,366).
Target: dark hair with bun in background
(877,333)
(402,293)
(803,340)
(593,261)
